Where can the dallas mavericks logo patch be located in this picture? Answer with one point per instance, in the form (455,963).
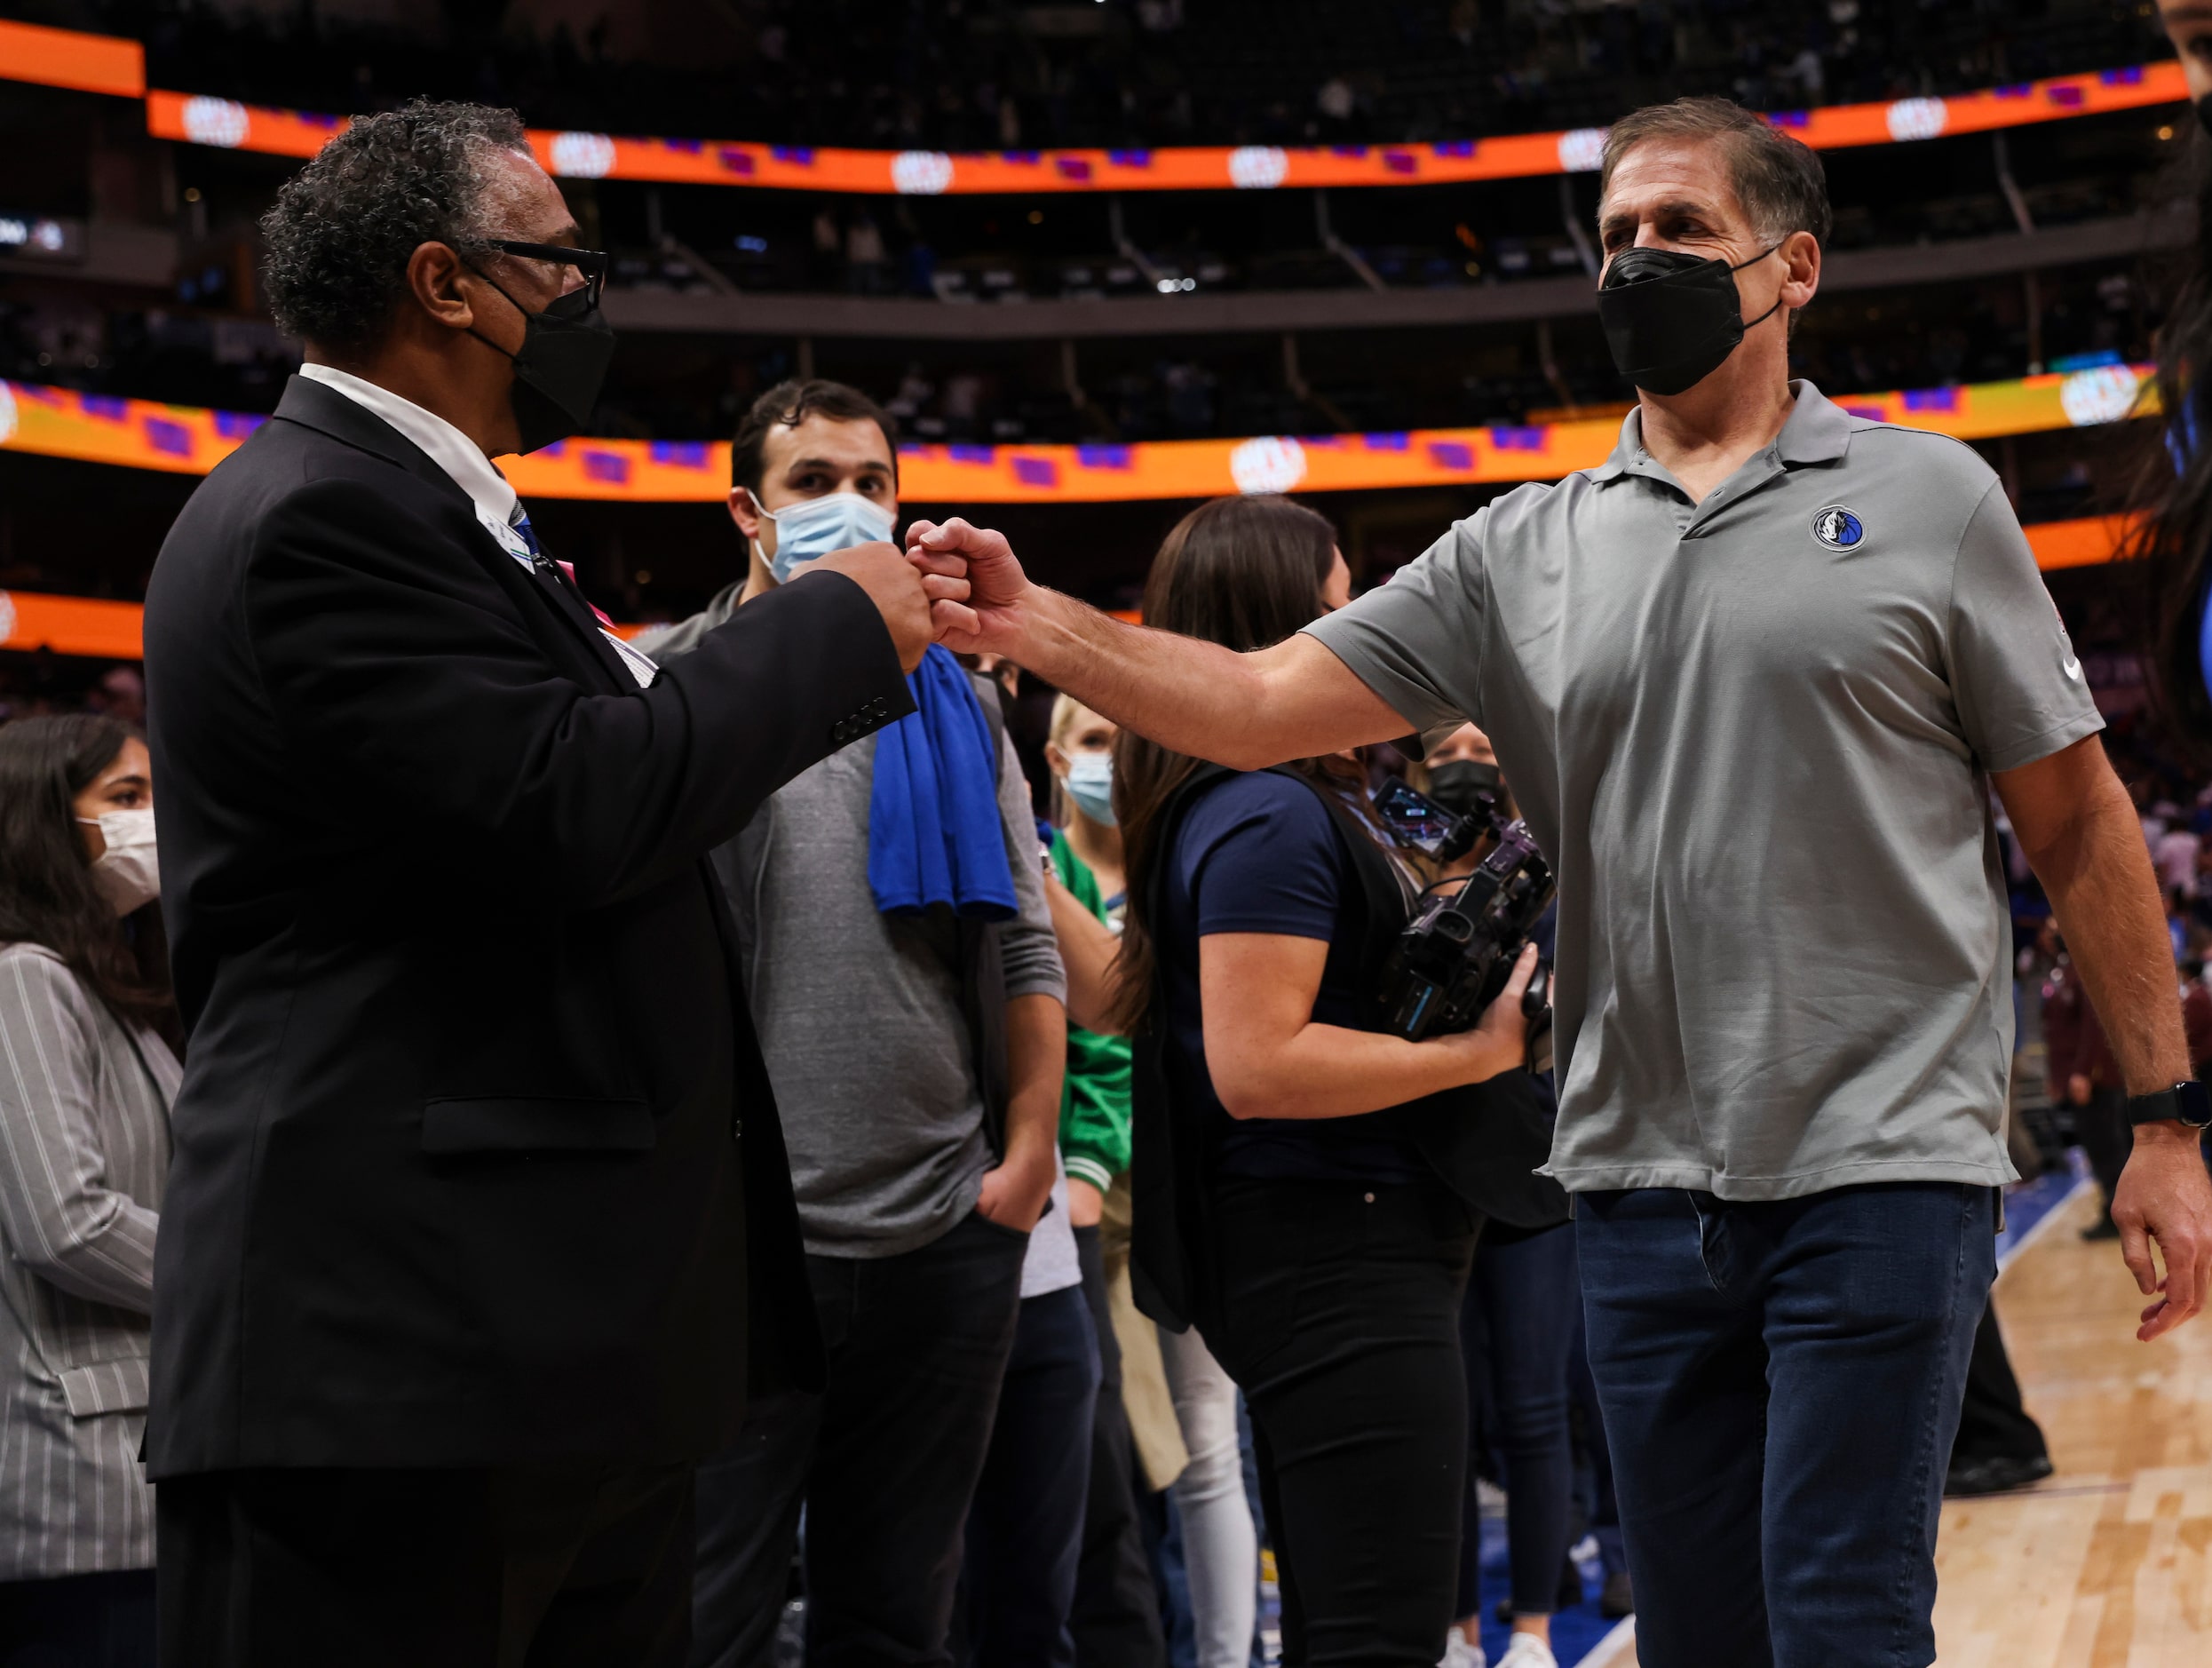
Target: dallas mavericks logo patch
(1837,527)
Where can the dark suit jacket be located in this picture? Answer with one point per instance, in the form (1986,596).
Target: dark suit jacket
(476,1159)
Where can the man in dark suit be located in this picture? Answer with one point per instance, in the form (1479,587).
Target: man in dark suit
(480,1229)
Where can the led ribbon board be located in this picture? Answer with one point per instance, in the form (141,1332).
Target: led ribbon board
(66,58)
(114,631)
(192,439)
(580,155)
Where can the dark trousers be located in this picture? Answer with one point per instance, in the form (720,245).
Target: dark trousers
(1025,1531)
(566,1567)
(1518,1331)
(1340,1306)
(100,1620)
(1994,1424)
(1782,1384)
(884,1461)
(2108,1137)
(1116,1614)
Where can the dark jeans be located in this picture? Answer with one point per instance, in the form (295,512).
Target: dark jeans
(102,1620)
(1518,1329)
(1025,1530)
(1116,1614)
(566,1567)
(1594,1475)
(1782,1384)
(1340,1322)
(884,1460)
(1994,1425)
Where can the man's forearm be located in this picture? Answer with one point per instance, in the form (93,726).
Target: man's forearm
(1036,1058)
(1295,700)
(2105,897)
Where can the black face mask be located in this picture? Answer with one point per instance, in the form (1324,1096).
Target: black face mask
(565,351)
(1455,783)
(1671,318)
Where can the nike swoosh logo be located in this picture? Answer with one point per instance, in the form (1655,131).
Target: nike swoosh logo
(2071,667)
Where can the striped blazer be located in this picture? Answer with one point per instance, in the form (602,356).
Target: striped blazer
(83,1151)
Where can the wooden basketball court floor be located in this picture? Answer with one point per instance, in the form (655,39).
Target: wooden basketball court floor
(2107,1564)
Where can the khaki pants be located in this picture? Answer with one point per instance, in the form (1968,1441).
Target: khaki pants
(1152,1421)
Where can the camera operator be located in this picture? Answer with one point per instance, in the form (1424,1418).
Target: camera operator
(1750,678)
(1287,1204)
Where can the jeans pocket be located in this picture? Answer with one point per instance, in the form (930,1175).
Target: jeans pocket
(1014,1233)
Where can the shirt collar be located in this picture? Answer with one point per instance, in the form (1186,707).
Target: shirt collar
(442,443)
(1816,432)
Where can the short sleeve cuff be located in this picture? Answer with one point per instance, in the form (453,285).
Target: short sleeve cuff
(2055,740)
(1381,665)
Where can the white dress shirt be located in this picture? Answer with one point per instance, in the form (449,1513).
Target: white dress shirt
(442,443)
(461,458)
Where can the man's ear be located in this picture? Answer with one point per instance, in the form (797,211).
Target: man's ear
(745,511)
(434,275)
(1800,256)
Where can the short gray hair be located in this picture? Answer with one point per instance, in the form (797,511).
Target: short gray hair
(1779,180)
(344,226)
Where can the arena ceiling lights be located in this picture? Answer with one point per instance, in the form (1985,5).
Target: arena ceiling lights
(105,64)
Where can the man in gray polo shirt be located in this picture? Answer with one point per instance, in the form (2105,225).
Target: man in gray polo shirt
(1752,679)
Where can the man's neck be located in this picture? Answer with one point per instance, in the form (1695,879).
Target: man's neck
(429,382)
(1704,436)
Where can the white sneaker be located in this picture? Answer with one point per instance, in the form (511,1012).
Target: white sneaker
(1526,1650)
(1462,1652)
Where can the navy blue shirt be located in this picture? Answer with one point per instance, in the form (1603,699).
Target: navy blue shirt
(1261,854)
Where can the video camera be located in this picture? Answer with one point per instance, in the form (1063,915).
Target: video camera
(1456,957)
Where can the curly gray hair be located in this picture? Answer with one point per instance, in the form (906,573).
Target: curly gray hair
(344,226)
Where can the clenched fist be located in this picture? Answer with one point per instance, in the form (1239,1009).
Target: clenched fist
(902,593)
(987,614)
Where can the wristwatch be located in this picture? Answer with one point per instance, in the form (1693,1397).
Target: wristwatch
(2186,1100)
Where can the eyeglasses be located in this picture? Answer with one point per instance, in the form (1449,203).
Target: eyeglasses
(592,263)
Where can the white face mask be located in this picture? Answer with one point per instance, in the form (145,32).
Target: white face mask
(1089,782)
(129,872)
(814,527)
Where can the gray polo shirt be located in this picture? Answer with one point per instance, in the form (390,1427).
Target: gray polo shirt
(1753,735)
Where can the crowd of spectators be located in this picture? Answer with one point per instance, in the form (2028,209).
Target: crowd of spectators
(1168,388)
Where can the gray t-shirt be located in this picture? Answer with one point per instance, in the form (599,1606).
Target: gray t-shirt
(860,1015)
(1753,736)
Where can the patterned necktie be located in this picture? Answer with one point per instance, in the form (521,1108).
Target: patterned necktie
(520,522)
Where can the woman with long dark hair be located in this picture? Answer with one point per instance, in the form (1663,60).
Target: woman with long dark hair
(86,1080)
(1289,1200)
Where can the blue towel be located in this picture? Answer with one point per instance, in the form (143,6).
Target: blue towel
(934,834)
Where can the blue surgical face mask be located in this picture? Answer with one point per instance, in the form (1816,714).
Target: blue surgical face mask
(1090,781)
(814,527)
